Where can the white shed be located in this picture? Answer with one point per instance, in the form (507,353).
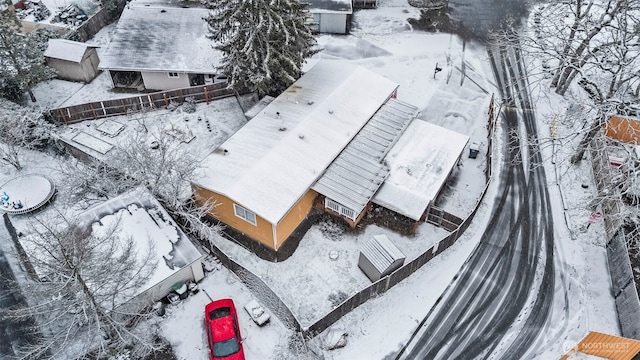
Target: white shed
(330,16)
(72,60)
(379,257)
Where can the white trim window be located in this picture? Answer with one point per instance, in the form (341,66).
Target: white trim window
(340,209)
(244,214)
(174,75)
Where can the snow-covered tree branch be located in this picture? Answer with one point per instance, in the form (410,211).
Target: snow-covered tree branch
(87,273)
(21,128)
(22,62)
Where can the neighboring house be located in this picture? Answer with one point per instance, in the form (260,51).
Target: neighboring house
(330,16)
(160,46)
(625,129)
(323,143)
(72,60)
(143,220)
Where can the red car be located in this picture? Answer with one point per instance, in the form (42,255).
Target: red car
(223,330)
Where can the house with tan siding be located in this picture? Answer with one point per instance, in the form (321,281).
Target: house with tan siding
(322,144)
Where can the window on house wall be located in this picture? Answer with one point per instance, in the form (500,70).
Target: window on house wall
(174,75)
(244,214)
(340,209)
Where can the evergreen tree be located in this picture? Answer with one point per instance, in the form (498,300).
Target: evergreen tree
(264,42)
(22,62)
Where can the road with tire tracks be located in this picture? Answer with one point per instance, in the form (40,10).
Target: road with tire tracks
(500,303)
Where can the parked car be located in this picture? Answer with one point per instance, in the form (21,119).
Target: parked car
(257,313)
(223,330)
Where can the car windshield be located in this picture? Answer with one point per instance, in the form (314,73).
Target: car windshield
(225,348)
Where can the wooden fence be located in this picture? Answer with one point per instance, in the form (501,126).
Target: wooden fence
(443,219)
(101,109)
(277,306)
(411,267)
(365,4)
(96,22)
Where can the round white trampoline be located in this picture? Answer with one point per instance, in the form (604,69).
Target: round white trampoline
(25,194)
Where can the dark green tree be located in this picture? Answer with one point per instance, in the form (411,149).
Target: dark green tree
(22,62)
(264,42)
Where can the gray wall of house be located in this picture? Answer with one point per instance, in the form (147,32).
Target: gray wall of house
(84,71)
(162,81)
(331,23)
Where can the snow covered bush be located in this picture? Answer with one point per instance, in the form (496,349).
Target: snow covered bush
(20,128)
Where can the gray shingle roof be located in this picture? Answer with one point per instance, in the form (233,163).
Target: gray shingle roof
(161,38)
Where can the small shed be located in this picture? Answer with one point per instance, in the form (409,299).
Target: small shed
(72,60)
(379,257)
(330,16)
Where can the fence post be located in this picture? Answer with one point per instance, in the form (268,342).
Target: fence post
(64,120)
(95,116)
(206,94)
(166,101)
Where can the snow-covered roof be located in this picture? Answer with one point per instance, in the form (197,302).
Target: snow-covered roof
(357,173)
(161,38)
(420,162)
(381,252)
(146,222)
(67,50)
(329,6)
(273,160)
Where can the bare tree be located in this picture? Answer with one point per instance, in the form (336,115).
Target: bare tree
(155,160)
(595,42)
(89,183)
(20,128)
(86,274)
(585,38)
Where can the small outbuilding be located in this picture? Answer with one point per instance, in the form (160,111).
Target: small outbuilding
(330,16)
(72,60)
(379,257)
(156,237)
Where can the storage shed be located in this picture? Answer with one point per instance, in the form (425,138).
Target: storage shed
(379,257)
(72,60)
(330,16)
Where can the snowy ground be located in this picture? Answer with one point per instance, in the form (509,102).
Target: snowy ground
(383,42)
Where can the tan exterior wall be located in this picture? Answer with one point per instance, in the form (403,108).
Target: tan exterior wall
(624,129)
(295,216)
(262,231)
